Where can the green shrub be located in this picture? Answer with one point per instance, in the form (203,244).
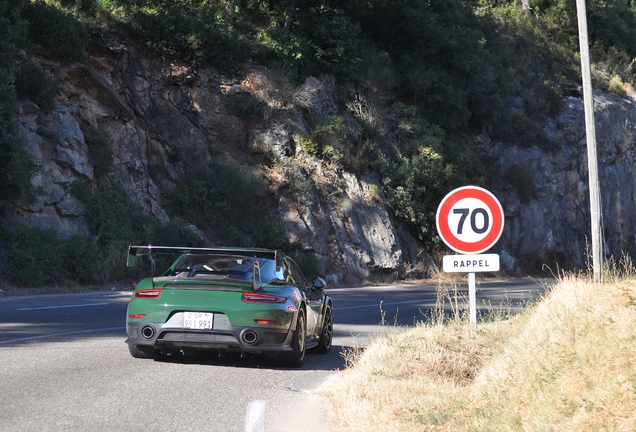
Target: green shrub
(309,265)
(330,133)
(333,40)
(16,170)
(98,141)
(322,39)
(118,222)
(292,50)
(13,33)
(415,186)
(183,34)
(34,83)
(34,256)
(199,201)
(16,167)
(81,260)
(617,86)
(266,234)
(223,199)
(38,257)
(56,30)
(521,175)
(308,145)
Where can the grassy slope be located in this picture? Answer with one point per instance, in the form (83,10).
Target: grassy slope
(567,363)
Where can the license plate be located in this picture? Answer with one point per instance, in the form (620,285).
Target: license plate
(198,320)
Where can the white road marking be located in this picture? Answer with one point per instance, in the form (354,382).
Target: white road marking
(377,305)
(62,307)
(61,334)
(255,417)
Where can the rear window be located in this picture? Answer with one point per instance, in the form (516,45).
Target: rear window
(232,267)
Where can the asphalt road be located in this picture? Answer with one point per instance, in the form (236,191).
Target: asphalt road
(64,364)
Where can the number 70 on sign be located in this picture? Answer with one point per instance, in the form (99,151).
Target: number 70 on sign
(470,220)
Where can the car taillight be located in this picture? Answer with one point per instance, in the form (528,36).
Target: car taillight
(262,298)
(267,322)
(148,293)
(136,316)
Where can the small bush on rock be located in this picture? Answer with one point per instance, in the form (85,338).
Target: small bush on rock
(34,83)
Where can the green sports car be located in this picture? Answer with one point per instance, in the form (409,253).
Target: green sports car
(228,299)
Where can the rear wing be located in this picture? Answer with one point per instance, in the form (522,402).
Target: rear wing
(135,251)
(151,251)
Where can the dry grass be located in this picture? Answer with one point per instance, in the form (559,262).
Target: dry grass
(567,363)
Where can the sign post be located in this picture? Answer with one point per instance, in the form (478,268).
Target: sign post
(470,220)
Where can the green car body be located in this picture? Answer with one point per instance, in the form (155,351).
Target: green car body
(225,300)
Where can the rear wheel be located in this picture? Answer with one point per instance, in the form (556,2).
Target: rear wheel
(296,357)
(326,336)
(142,351)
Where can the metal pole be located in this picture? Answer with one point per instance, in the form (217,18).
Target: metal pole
(590,134)
(472,301)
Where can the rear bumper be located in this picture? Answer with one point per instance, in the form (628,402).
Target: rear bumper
(171,336)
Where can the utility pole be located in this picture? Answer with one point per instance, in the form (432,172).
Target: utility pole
(590,134)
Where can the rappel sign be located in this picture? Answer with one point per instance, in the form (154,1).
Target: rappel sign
(470,220)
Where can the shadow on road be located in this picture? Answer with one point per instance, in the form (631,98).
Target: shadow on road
(334,360)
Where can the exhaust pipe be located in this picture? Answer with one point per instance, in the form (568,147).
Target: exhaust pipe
(250,337)
(148,332)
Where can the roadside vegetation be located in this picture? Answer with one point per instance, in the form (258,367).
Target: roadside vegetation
(565,363)
(413,77)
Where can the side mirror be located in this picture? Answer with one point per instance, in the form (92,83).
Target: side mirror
(319,283)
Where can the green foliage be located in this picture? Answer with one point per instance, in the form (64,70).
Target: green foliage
(328,139)
(415,185)
(13,31)
(34,256)
(56,30)
(521,176)
(309,145)
(98,142)
(435,52)
(117,223)
(222,199)
(185,34)
(424,73)
(333,39)
(417,179)
(40,257)
(16,168)
(617,86)
(309,265)
(322,39)
(81,260)
(266,234)
(34,83)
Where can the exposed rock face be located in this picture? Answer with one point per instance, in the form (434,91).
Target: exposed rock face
(153,110)
(56,144)
(554,224)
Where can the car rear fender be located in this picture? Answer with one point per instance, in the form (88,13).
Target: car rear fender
(295,320)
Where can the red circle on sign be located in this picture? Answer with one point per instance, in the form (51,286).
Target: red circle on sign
(489,201)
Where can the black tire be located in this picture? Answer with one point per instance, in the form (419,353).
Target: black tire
(143,352)
(326,335)
(296,357)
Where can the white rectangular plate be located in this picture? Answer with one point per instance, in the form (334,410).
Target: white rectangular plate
(198,320)
(471,263)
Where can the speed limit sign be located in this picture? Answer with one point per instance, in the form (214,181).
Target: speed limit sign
(470,220)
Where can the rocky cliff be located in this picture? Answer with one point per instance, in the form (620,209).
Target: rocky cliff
(548,219)
(152,109)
